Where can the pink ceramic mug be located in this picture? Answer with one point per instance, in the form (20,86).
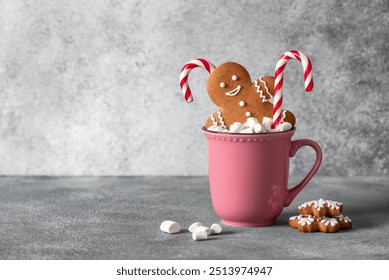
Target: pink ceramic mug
(248,175)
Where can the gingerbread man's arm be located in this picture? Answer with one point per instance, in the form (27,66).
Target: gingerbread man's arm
(265,88)
(288,116)
(215,119)
(211,121)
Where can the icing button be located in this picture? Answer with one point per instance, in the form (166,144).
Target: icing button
(242,103)
(248,114)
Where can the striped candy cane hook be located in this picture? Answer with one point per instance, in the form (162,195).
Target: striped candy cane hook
(279,79)
(198,62)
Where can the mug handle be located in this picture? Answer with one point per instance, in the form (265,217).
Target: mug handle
(295,146)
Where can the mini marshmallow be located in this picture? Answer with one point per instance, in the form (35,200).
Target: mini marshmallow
(199,235)
(170,227)
(207,230)
(193,226)
(267,122)
(216,229)
(247,130)
(258,128)
(219,129)
(236,127)
(251,122)
(215,128)
(266,126)
(284,126)
(212,127)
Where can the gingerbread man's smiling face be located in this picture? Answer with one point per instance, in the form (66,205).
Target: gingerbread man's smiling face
(227,83)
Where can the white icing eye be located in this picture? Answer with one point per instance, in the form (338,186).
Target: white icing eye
(234,78)
(222,85)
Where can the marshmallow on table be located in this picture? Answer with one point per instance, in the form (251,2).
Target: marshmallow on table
(216,229)
(193,226)
(199,232)
(170,227)
(203,228)
(199,235)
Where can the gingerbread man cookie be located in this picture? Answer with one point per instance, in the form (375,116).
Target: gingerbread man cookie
(321,208)
(230,87)
(309,223)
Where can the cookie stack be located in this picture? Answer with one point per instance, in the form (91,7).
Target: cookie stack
(320,215)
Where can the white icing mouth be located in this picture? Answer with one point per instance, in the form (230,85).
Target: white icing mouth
(234,91)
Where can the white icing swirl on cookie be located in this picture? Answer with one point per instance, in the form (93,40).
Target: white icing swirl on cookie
(214,122)
(321,203)
(267,89)
(342,218)
(333,204)
(283,116)
(329,221)
(307,204)
(219,114)
(264,99)
(306,220)
(295,217)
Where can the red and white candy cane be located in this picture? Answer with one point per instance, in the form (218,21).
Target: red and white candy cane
(198,62)
(279,79)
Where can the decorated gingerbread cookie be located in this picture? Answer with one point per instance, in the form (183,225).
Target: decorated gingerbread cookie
(230,87)
(321,208)
(309,223)
(304,223)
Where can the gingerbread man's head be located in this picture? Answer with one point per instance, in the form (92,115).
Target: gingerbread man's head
(229,82)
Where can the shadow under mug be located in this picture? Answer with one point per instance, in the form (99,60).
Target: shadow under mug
(248,175)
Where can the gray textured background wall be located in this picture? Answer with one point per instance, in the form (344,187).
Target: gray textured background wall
(91,87)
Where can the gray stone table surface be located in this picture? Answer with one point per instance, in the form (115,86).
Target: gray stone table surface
(119,218)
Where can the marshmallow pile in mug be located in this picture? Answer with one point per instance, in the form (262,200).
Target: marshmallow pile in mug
(252,125)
